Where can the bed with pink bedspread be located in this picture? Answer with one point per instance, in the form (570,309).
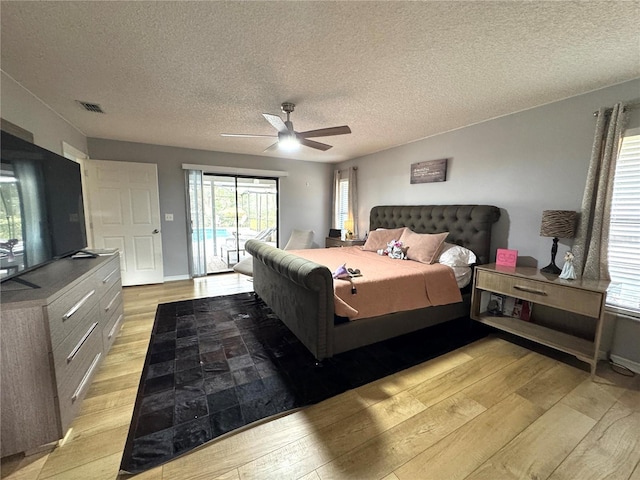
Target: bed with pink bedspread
(385,285)
(392,297)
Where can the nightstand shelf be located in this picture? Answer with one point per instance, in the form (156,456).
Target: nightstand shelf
(580,348)
(583,300)
(330,242)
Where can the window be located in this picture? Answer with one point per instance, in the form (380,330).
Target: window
(342,212)
(624,235)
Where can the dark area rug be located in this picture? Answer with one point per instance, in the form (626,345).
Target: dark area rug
(218,364)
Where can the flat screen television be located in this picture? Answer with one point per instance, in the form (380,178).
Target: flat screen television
(41,208)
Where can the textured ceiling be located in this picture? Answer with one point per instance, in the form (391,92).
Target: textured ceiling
(181,73)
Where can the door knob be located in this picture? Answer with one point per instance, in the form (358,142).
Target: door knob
(155,231)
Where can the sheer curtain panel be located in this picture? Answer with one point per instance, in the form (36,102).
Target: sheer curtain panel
(198,267)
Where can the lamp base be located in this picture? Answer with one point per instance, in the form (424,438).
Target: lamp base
(551,268)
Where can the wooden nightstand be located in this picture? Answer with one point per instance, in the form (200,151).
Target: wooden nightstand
(336,242)
(584,299)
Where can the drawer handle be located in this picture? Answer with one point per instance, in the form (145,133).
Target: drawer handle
(86,377)
(115,297)
(106,279)
(77,348)
(530,290)
(115,327)
(77,306)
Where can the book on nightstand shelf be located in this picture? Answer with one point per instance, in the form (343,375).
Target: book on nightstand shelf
(503,305)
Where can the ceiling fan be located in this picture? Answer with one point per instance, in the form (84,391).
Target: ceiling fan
(288,138)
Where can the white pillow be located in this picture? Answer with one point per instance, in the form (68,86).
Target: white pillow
(456,256)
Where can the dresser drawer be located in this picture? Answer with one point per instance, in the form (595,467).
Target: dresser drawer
(74,389)
(112,327)
(555,295)
(108,275)
(110,300)
(70,310)
(72,356)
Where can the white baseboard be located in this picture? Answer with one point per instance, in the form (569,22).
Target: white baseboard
(625,362)
(175,278)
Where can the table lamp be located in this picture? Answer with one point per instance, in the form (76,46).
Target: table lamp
(557,224)
(348,226)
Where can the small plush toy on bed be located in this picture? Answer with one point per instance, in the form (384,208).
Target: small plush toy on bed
(394,250)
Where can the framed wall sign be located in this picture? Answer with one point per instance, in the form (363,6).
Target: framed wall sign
(428,172)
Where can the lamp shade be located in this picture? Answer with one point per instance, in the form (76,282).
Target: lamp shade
(558,223)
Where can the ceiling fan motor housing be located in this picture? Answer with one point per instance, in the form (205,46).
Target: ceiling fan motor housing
(288,107)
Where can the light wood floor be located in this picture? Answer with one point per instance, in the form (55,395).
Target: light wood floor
(491,410)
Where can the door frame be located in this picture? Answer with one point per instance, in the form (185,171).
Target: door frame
(225,171)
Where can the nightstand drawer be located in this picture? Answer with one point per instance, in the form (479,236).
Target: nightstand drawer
(554,295)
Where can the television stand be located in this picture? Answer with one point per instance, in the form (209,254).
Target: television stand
(53,341)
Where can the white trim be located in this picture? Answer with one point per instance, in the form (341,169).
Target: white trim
(175,278)
(72,153)
(625,362)
(75,155)
(251,172)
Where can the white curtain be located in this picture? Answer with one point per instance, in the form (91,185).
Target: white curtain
(198,266)
(336,198)
(592,242)
(352,197)
(353,200)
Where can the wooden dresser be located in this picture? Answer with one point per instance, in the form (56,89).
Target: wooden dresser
(53,340)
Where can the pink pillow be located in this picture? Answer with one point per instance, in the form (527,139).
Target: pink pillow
(378,239)
(423,247)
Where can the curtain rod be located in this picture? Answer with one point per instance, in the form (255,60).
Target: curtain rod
(629,106)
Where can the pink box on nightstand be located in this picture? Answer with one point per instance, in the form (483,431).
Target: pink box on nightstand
(506,257)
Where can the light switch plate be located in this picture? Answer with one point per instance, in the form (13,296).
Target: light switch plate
(168,217)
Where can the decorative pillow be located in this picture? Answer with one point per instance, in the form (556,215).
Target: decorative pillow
(456,256)
(423,247)
(378,239)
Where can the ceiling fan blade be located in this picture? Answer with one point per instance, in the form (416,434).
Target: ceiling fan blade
(314,144)
(325,132)
(276,121)
(246,135)
(271,148)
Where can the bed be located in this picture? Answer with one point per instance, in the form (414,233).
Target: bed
(301,291)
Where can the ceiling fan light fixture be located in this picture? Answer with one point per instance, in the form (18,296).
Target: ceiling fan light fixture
(288,143)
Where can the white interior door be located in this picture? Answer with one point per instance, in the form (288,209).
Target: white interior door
(125,214)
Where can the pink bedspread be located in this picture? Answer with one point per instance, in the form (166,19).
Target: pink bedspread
(386,285)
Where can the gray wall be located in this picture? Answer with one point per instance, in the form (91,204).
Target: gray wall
(49,129)
(305,195)
(523,163)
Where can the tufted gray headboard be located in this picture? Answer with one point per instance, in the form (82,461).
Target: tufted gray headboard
(468,225)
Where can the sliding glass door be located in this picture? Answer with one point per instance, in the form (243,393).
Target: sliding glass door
(228,211)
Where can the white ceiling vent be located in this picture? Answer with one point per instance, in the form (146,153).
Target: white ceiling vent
(91,107)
